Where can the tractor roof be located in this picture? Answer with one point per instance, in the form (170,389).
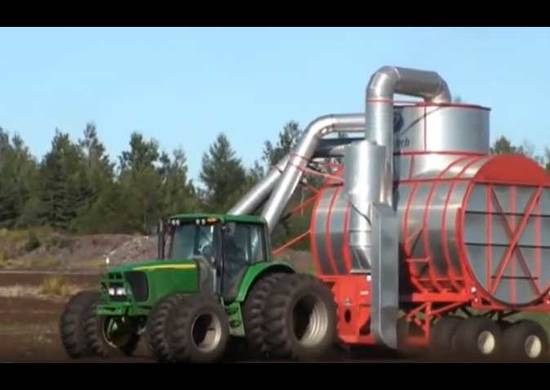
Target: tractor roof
(221,217)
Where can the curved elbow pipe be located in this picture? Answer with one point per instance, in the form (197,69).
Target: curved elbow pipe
(300,157)
(383,84)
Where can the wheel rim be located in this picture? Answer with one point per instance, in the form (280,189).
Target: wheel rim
(486,342)
(310,317)
(206,332)
(114,334)
(533,346)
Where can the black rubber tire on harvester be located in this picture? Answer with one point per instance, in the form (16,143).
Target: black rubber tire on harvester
(253,315)
(198,330)
(300,318)
(467,342)
(156,327)
(441,337)
(94,329)
(518,347)
(71,327)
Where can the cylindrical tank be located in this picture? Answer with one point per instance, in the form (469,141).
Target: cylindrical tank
(468,220)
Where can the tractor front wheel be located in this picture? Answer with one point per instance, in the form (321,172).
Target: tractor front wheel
(71,328)
(109,336)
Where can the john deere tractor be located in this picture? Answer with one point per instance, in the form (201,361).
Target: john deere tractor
(213,286)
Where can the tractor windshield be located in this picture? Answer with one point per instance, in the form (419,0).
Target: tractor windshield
(191,240)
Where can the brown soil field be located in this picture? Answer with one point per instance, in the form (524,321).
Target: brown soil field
(29,324)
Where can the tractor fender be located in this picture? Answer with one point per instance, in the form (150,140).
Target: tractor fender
(258,271)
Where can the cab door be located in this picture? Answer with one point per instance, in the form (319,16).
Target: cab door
(243,245)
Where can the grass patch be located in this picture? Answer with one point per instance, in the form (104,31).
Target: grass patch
(32,242)
(48,263)
(96,263)
(55,285)
(15,243)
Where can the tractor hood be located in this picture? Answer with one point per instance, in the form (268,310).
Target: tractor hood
(155,264)
(144,283)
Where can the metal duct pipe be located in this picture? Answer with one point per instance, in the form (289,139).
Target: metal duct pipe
(333,147)
(383,84)
(257,194)
(261,190)
(300,157)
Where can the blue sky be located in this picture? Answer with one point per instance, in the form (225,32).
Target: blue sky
(183,86)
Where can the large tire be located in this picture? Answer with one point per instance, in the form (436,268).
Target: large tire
(300,318)
(71,327)
(99,340)
(253,315)
(405,330)
(155,329)
(525,341)
(477,338)
(441,336)
(198,331)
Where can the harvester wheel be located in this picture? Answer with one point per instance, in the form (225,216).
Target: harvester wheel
(477,338)
(441,336)
(75,314)
(198,331)
(109,336)
(253,314)
(155,329)
(300,318)
(525,341)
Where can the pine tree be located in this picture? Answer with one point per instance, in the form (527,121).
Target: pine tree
(140,184)
(63,189)
(223,176)
(97,183)
(287,140)
(17,176)
(178,193)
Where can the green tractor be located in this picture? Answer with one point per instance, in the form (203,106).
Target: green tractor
(214,286)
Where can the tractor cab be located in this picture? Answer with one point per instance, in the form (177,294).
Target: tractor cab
(223,246)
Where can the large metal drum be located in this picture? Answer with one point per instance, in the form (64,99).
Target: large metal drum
(468,220)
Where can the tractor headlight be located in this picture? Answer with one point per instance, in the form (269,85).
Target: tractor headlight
(120,291)
(117,291)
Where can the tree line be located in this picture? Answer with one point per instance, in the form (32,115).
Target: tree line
(77,187)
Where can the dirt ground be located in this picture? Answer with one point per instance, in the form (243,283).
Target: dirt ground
(29,324)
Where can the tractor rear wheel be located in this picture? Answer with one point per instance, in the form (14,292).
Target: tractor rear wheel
(300,318)
(477,338)
(253,315)
(198,330)
(525,341)
(71,327)
(157,323)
